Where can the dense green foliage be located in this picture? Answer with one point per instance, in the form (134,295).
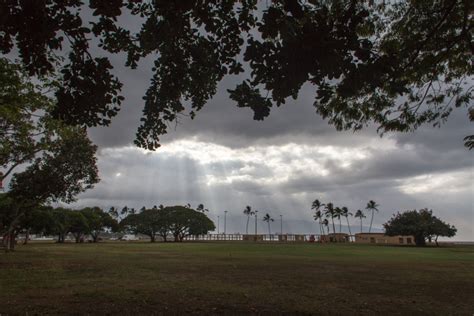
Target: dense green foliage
(98,221)
(422,224)
(398,64)
(179,221)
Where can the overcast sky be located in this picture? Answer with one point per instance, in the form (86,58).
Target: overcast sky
(226,161)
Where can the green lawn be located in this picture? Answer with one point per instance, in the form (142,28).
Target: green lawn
(233,278)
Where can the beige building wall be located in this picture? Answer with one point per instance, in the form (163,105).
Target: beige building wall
(379,238)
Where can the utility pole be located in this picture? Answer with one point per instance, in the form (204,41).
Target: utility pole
(225,222)
(218,224)
(281,224)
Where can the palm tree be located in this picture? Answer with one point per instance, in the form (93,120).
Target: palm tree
(316,205)
(346,213)
(113,211)
(268,219)
(372,206)
(360,214)
(318,215)
(248,211)
(201,208)
(330,212)
(326,223)
(124,211)
(338,214)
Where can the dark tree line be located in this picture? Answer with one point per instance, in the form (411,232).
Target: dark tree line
(177,221)
(46,220)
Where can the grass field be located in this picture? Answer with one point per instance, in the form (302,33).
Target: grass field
(234,278)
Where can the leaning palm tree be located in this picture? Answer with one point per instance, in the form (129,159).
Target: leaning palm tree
(372,206)
(346,214)
(330,212)
(360,214)
(316,205)
(318,215)
(248,211)
(338,214)
(267,218)
(326,223)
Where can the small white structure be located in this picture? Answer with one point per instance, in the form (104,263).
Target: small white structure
(42,238)
(129,237)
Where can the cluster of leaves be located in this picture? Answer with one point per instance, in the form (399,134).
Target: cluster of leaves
(65,170)
(179,221)
(421,224)
(87,93)
(398,64)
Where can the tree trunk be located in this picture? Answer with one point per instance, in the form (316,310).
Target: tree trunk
(78,238)
(340,225)
(152,238)
(420,240)
(11,233)
(361,225)
(269,231)
(61,238)
(349,228)
(247,227)
(436,241)
(11,241)
(333,227)
(371,221)
(27,236)
(95,237)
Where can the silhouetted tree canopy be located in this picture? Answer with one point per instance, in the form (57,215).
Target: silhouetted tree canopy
(398,64)
(149,222)
(179,221)
(98,221)
(421,224)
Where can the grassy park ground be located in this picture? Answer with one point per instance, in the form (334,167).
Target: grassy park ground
(234,278)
